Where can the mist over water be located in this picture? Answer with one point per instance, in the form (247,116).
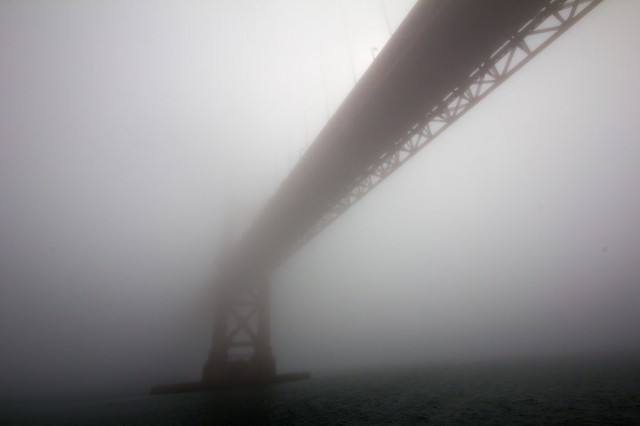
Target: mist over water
(129,133)
(557,392)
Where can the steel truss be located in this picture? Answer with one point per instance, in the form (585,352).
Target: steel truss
(553,20)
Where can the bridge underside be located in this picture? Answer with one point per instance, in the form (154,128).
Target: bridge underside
(445,57)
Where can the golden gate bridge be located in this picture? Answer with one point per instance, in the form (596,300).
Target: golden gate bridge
(445,57)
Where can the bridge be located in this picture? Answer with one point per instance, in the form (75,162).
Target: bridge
(444,58)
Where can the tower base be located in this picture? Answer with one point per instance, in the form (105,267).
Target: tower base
(204,387)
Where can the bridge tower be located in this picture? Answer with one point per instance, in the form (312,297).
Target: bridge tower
(241,348)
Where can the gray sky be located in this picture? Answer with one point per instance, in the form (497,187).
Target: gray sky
(127,129)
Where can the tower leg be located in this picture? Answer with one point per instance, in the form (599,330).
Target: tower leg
(263,361)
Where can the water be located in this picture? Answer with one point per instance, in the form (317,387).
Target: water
(500,393)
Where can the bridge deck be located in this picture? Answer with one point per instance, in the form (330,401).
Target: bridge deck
(437,47)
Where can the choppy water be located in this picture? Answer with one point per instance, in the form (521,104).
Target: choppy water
(508,393)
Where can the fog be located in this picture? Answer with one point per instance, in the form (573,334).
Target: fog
(131,131)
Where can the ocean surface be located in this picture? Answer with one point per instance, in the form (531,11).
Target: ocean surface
(514,393)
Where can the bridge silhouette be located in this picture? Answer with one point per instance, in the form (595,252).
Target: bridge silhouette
(445,57)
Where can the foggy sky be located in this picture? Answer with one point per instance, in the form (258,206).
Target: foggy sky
(129,130)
